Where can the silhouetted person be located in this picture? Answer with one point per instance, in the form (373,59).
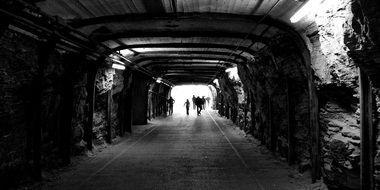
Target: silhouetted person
(203,102)
(198,102)
(187,104)
(208,100)
(194,104)
(171,103)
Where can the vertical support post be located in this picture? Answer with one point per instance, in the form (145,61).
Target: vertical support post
(128,103)
(45,49)
(122,108)
(290,124)
(150,105)
(221,108)
(109,119)
(227,111)
(246,109)
(67,102)
(154,108)
(4,25)
(91,77)
(140,102)
(366,133)
(314,126)
(253,122)
(128,111)
(273,132)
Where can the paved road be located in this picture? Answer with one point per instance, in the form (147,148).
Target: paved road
(182,152)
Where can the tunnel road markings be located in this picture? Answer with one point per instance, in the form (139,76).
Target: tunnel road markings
(117,156)
(236,152)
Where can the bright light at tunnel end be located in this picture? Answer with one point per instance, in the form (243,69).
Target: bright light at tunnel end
(308,8)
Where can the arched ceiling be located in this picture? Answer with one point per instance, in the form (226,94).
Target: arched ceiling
(183,41)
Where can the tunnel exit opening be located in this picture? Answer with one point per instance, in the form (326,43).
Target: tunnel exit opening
(183,92)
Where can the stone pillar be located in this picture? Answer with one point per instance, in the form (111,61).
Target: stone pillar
(140,99)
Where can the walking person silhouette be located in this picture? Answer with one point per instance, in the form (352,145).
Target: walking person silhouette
(198,102)
(171,103)
(194,104)
(187,104)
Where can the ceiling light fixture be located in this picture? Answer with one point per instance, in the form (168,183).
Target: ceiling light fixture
(118,66)
(126,52)
(159,80)
(308,8)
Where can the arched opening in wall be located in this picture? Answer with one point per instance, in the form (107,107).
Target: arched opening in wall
(182,93)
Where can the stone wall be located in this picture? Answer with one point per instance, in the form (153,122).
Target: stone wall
(276,82)
(23,91)
(363,40)
(339,40)
(106,80)
(18,71)
(230,97)
(61,92)
(376,108)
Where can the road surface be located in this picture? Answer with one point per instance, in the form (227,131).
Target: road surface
(183,152)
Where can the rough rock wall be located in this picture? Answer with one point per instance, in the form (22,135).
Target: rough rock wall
(107,79)
(18,70)
(376,108)
(117,90)
(334,37)
(19,96)
(230,100)
(52,109)
(292,86)
(80,104)
(242,107)
(363,41)
(273,82)
(362,37)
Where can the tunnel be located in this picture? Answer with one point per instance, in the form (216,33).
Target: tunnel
(292,89)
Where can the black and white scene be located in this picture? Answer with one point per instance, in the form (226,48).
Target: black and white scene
(190,94)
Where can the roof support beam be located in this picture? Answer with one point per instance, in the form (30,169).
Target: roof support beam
(177,34)
(162,17)
(197,53)
(188,45)
(151,60)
